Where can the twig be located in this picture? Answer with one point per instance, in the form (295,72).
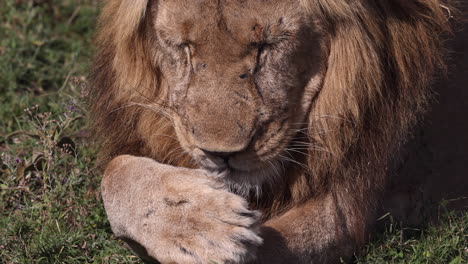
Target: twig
(17,133)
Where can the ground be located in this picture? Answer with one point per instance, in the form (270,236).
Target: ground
(50,205)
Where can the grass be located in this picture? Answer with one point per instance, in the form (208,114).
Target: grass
(444,243)
(50,207)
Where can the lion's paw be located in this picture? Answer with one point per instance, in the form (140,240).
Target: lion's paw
(216,229)
(179,215)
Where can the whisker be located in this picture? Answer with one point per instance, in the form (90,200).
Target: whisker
(275,169)
(178,154)
(312,147)
(334,117)
(165,135)
(294,161)
(300,152)
(162,102)
(149,107)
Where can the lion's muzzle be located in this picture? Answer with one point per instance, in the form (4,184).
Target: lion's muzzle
(220,127)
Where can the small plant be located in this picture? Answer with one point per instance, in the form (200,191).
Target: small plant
(47,144)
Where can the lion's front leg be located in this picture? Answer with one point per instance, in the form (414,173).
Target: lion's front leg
(177,215)
(320,231)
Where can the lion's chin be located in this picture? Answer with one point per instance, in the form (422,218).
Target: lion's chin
(248,182)
(243,175)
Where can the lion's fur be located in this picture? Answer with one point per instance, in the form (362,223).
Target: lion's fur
(383,56)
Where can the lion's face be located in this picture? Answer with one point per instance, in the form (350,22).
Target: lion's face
(241,77)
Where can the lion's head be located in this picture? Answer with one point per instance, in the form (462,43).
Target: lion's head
(240,81)
(301,93)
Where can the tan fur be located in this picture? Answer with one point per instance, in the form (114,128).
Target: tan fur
(324,147)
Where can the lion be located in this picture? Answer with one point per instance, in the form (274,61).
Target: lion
(255,131)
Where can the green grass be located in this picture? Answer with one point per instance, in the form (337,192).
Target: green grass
(50,207)
(445,243)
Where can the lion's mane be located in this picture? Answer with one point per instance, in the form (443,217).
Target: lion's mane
(383,57)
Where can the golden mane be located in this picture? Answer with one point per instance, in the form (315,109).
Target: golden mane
(383,57)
